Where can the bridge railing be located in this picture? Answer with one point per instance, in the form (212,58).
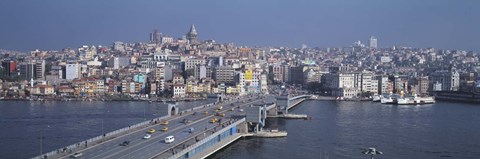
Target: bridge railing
(203,141)
(95,140)
(228,101)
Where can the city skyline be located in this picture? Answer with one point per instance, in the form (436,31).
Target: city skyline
(442,24)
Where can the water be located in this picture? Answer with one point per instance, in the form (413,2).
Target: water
(23,124)
(344,129)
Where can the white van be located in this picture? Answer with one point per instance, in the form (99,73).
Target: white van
(169,139)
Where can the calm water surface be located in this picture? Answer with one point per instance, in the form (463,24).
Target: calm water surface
(342,130)
(22,123)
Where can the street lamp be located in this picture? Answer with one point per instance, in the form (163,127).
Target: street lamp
(41,140)
(103,118)
(372,151)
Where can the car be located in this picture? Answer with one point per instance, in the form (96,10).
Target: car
(220,114)
(164,123)
(220,108)
(151,131)
(147,136)
(240,110)
(169,139)
(164,129)
(213,120)
(232,109)
(186,121)
(232,104)
(125,143)
(206,112)
(191,130)
(76,155)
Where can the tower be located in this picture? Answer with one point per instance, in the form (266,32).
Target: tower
(192,35)
(373,42)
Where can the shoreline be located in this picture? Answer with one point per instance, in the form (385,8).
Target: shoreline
(103,99)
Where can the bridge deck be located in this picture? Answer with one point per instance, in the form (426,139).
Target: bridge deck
(149,148)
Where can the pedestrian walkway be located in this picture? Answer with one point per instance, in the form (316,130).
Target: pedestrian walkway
(212,149)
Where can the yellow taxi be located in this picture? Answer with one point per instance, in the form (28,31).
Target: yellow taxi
(206,112)
(220,114)
(164,123)
(213,120)
(151,131)
(164,129)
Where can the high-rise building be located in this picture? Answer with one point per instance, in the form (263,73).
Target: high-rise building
(40,69)
(192,35)
(383,84)
(155,36)
(72,71)
(279,73)
(27,71)
(224,74)
(202,71)
(9,67)
(296,75)
(423,86)
(373,42)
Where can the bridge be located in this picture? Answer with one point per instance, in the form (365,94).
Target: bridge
(196,134)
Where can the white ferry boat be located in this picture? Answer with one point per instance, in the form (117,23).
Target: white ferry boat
(415,100)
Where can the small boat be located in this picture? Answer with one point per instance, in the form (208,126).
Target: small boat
(376,98)
(387,100)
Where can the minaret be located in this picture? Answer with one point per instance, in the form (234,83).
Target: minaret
(192,35)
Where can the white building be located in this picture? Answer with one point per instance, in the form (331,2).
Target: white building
(119,46)
(167,39)
(178,91)
(385,59)
(100,86)
(72,71)
(264,84)
(241,84)
(119,62)
(190,63)
(87,52)
(95,62)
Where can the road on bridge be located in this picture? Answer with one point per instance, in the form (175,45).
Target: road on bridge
(139,148)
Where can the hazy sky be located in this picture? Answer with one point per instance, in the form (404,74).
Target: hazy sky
(56,24)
